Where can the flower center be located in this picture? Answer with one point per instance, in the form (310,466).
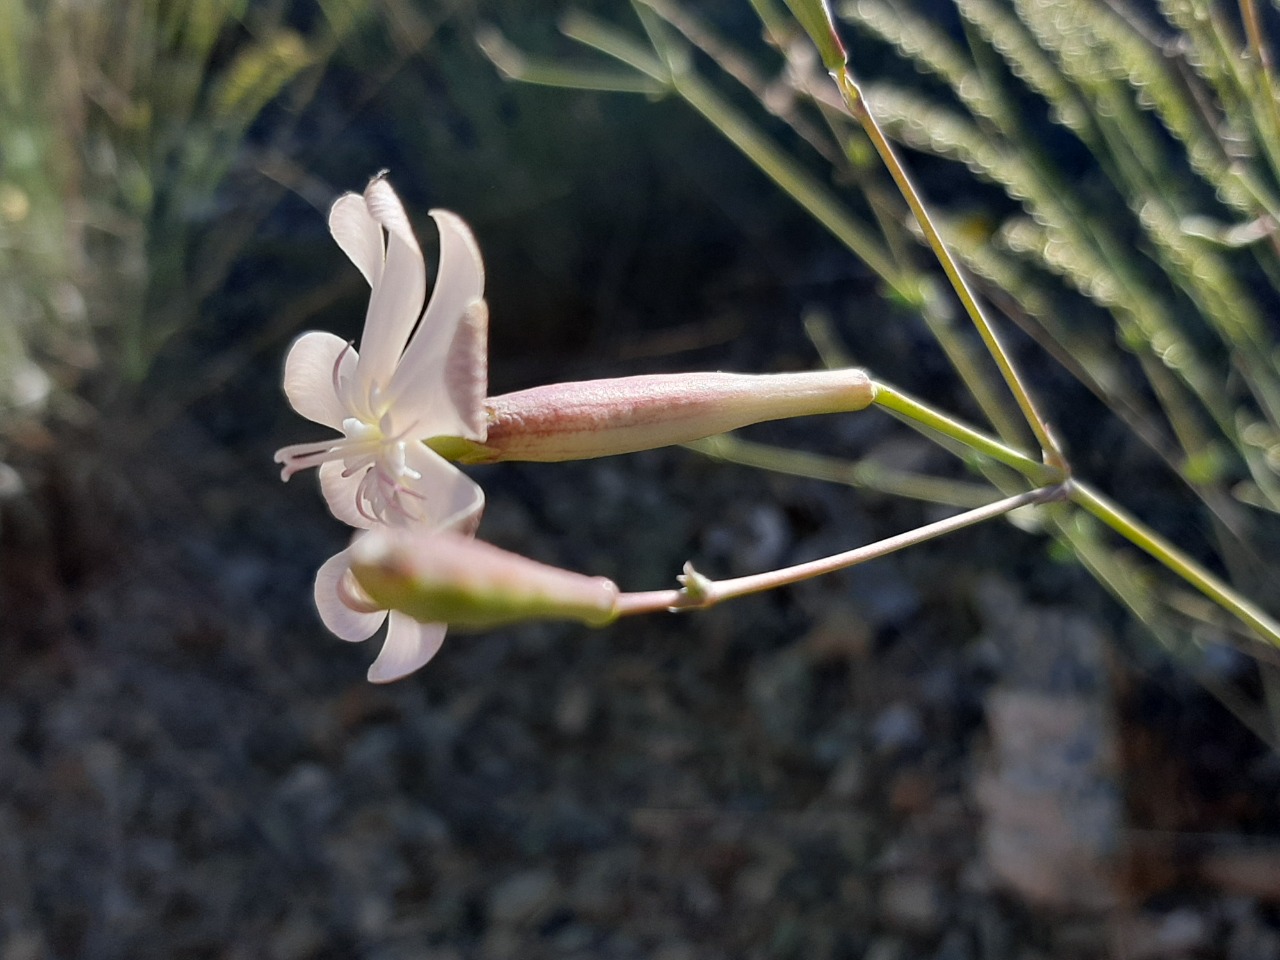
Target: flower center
(386,491)
(372,448)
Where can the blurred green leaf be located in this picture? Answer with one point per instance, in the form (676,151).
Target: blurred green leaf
(257,75)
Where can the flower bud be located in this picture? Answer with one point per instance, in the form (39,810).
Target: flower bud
(600,418)
(443,577)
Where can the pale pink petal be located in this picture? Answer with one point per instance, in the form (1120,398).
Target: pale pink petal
(448,499)
(341,620)
(396,303)
(309,377)
(420,387)
(408,647)
(340,494)
(358,234)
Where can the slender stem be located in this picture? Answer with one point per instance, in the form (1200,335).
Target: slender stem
(867,474)
(923,414)
(699,592)
(966,358)
(741,69)
(857,105)
(1162,550)
(1261,53)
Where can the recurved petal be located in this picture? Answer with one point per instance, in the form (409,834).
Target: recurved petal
(408,647)
(358,234)
(396,303)
(445,345)
(341,620)
(450,499)
(341,493)
(461,279)
(311,371)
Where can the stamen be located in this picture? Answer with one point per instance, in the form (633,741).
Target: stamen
(355,467)
(302,456)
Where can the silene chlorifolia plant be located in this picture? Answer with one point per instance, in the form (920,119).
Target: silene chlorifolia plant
(411,401)
(411,404)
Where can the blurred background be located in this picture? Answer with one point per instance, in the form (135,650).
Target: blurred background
(965,751)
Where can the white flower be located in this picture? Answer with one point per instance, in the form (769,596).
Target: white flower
(416,376)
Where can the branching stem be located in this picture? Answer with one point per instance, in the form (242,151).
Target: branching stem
(924,415)
(857,105)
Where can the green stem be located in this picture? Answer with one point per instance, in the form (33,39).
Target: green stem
(857,105)
(1261,95)
(965,358)
(866,474)
(936,420)
(1156,546)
